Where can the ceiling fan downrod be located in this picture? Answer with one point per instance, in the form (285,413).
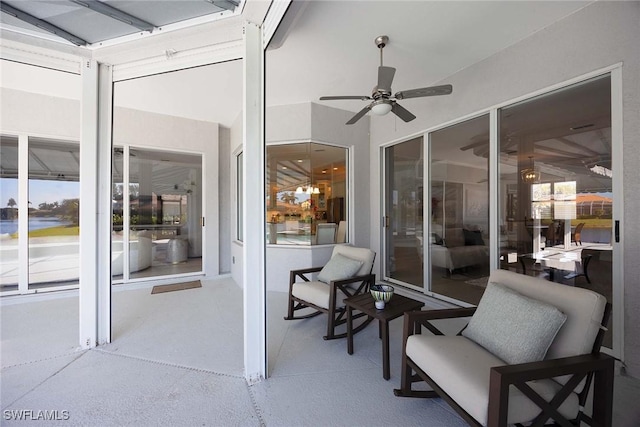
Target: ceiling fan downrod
(381,42)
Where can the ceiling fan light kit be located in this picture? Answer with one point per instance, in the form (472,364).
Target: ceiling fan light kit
(383,101)
(381,107)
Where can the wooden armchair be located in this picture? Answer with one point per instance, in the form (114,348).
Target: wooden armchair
(485,389)
(347,273)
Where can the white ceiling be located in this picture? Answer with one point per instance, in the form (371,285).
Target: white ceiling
(330,48)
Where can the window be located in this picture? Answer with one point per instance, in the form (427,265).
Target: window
(306,194)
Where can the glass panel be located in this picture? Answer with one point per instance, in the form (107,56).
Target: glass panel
(306,194)
(54,206)
(117,212)
(9,213)
(403,207)
(556,189)
(459,239)
(165,212)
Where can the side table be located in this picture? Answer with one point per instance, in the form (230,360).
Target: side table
(392,310)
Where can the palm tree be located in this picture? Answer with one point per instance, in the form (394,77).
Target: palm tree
(12,202)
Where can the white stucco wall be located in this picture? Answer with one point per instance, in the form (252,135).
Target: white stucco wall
(224,193)
(598,36)
(56,117)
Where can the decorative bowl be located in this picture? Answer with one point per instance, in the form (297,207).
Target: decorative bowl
(381,294)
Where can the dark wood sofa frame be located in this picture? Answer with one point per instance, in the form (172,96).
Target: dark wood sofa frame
(596,366)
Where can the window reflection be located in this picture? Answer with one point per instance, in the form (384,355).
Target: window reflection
(9,213)
(459,240)
(306,194)
(558,224)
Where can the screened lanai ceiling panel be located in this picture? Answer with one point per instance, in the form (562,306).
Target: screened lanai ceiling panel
(92,21)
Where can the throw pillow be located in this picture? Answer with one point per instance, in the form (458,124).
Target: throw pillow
(436,239)
(339,267)
(473,237)
(513,327)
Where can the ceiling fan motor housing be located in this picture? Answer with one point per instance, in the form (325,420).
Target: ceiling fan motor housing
(381,41)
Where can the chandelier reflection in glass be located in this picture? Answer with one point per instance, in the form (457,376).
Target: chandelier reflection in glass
(530,175)
(307,190)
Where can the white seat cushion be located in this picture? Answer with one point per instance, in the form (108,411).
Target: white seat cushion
(317,293)
(462,368)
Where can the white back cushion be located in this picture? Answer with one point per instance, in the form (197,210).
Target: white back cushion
(365,255)
(584,310)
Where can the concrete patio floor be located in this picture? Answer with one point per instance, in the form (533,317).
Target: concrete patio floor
(177,359)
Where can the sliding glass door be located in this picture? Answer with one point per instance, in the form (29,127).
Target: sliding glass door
(157,213)
(556,187)
(403,213)
(458,241)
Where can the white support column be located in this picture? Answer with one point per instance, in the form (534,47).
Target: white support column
(88,205)
(105,104)
(253,201)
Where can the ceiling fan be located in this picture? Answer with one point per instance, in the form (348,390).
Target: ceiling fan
(383,102)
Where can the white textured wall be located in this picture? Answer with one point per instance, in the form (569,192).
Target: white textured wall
(39,114)
(598,36)
(224,193)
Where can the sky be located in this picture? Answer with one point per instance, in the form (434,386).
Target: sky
(40,191)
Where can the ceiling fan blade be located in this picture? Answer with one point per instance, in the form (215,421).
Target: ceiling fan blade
(402,112)
(385,78)
(333,98)
(425,91)
(358,116)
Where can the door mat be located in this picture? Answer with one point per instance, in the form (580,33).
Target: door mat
(176,287)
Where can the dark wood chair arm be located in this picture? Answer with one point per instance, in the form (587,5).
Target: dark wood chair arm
(355,279)
(413,320)
(301,274)
(552,368)
(306,270)
(502,377)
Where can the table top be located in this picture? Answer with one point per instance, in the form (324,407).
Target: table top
(396,306)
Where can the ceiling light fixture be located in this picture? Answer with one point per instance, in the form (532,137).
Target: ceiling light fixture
(530,175)
(381,107)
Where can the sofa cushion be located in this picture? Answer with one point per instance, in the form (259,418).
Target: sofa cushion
(516,328)
(462,369)
(339,267)
(317,293)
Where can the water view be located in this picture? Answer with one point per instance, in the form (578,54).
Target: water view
(11,226)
